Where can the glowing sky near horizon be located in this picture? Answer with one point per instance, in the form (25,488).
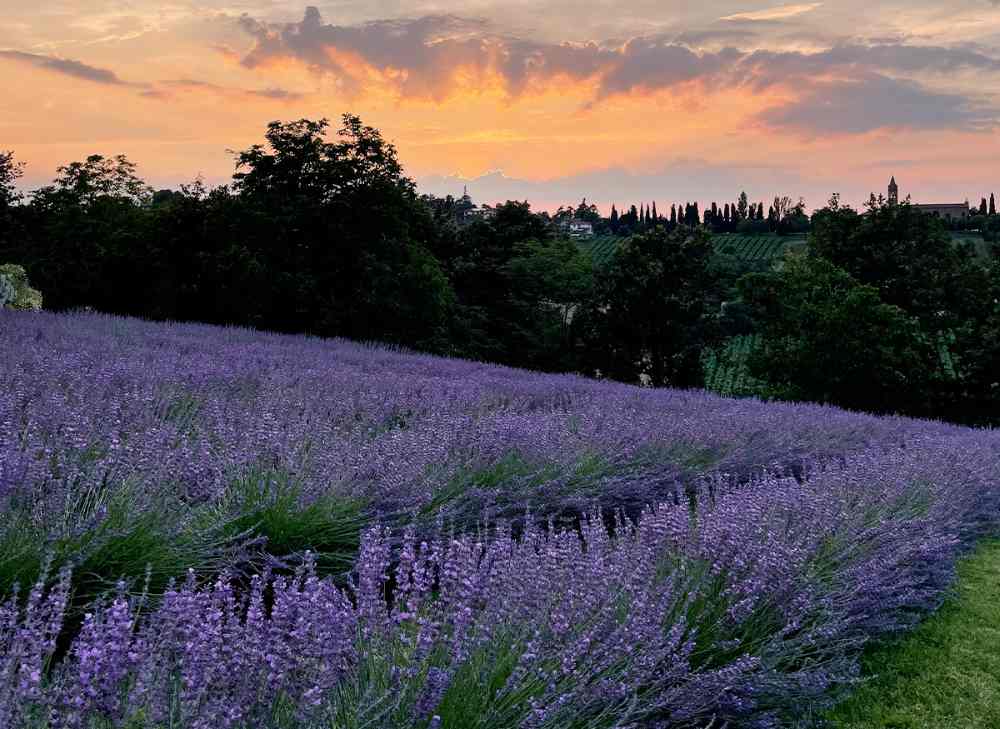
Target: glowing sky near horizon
(623,102)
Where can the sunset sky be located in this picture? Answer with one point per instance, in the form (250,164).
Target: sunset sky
(640,100)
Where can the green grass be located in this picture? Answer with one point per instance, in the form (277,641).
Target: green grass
(944,674)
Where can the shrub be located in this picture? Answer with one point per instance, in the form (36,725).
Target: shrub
(15,291)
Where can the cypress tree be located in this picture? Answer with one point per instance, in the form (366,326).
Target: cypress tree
(982,207)
(656,217)
(695,214)
(993,205)
(673,214)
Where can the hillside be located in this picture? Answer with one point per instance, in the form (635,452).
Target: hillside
(750,248)
(327,529)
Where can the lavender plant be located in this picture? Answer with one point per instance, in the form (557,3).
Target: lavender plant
(345,536)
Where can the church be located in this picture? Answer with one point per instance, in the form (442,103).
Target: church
(948,211)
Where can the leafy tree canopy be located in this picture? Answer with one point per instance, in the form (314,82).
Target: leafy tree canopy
(654,308)
(829,338)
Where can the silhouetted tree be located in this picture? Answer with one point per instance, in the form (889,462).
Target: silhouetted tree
(828,338)
(653,309)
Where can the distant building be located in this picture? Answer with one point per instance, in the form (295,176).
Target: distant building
(481,213)
(580,228)
(466,211)
(947,211)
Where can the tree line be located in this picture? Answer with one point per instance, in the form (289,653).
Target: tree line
(783,217)
(881,312)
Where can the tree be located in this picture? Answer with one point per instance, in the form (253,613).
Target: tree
(907,255)
(653,309)
(490,321)
(742,207)
(102,177)
(10,172)
(11,231)
(993,205)
(342,234)
(909,258)
(88,246)
(829,338)
(588,212)
(546,281)
(983,208)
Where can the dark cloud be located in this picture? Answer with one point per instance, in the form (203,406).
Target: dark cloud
(763,68)
(850,86)
(169,88)
(432,50)
(429,48)
(649,64)
(67,67)
(875,102)
(696,38)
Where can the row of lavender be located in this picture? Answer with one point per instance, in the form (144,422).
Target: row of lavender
(747,604)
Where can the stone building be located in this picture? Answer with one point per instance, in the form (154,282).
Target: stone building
(948,211)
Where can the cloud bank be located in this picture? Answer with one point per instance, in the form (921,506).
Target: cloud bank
(65,66)
(849,87)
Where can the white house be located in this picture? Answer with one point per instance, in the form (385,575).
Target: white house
(580,228)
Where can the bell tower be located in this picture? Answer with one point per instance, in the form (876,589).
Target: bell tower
(893,191)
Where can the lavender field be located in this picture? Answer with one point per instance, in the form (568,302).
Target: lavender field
(207,527)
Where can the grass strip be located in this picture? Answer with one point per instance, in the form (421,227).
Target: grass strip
(946,673)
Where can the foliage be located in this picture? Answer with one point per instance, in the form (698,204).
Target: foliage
(7,291)
(907,255)
(828,338)
(913,263)
(651,311)
(99,177)
(10,171)
(15,291)
(518,286)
